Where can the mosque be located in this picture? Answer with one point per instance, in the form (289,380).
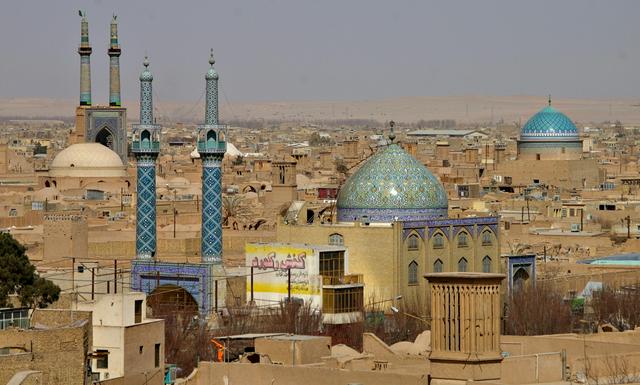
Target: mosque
(550,152)
(392,216)
(97,157)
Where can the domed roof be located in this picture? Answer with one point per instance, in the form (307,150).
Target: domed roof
(391,185)
(549,123)
(87,160)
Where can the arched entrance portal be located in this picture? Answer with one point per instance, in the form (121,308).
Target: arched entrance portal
(167,300)
(520,279)
(105,137)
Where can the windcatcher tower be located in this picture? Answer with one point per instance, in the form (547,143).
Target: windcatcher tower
(145,146)
(114,65)
(212,147)
(85,62)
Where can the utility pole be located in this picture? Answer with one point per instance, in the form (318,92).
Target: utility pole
(73,274)
(115,276)
(289,285)
(93,283)
(215,294)
(121,199)
(628,219)
(251,284)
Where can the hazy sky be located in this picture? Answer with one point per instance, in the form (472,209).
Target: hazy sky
(329,49)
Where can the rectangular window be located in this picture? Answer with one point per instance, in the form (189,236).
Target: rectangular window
(138,311)
(102,362)
(157,356)
(332,265)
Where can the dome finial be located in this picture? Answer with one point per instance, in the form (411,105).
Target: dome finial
(392,134)
(145,63)
(211,60)
(549,99)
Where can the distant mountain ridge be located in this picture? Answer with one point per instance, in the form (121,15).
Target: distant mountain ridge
(464,109)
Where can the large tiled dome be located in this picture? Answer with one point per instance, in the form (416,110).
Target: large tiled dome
(391,185)
(549,123)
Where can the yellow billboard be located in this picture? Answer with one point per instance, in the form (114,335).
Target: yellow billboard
(271,263)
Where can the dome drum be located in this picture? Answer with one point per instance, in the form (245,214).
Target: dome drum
(389,215)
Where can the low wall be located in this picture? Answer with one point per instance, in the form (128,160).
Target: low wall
(532,369)
(257,374)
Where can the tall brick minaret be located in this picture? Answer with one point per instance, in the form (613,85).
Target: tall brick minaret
(114,65)
(85,64)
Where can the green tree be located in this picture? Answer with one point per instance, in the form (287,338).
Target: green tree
(18,276)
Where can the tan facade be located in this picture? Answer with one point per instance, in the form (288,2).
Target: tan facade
(58,349)
(582,173)
(392,258)
(65,236)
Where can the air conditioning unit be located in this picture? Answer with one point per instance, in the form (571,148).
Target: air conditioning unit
(575,227)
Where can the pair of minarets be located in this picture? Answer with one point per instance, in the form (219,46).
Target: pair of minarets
(211,145)
(85,63)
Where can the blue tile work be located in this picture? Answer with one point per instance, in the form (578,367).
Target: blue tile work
(212,147)
(195,278)
(146,207)
(549,123)
(146,146)
(525,262)
(85,62)
(447,225)
(211,211)
(391,186)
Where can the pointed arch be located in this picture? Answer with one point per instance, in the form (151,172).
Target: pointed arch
(462,264)
(412,275)
(438,266)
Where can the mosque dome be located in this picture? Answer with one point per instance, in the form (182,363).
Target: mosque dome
(87,160)
(549,124)
(392,185)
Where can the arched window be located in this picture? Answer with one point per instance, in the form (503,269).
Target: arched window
(438,241)
(412,243)
(413,273)
(336,239)
(438,266)
(462,265)
(462,240)
(486,264)
(487,239)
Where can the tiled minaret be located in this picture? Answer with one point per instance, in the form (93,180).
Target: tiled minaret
(211,146)
(146,146)
(85,65)
(114,65)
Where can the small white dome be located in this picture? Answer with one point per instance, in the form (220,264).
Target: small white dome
(87,160)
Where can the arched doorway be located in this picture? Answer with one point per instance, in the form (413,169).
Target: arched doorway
(168,300)
(520,279)
(105,137)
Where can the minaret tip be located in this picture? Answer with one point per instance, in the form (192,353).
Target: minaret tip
(549,99)
(392,134)
(113,20)
(211,59)
(145,62)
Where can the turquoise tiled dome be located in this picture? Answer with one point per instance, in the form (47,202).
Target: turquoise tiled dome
(391,185)
(549,123)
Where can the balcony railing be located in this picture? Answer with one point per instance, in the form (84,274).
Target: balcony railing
(138,146)
(346,299)
(343,280)
(204,146)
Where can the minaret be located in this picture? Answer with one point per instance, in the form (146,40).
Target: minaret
(114,65)
(211,146)
(146,146)
(85,65)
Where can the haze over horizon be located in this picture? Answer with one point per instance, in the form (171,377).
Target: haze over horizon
(331,50)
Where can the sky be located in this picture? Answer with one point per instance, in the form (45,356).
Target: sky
(276,50)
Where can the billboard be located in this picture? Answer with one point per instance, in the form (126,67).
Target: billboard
(271,263)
